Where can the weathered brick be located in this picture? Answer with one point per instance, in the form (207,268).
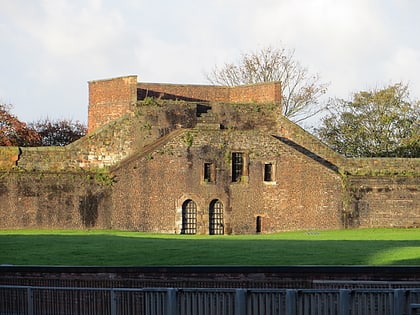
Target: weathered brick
(150,145)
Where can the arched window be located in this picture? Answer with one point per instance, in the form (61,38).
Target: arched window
(216,225)
(189,217)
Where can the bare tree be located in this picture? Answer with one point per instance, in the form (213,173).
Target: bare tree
(58,132)
(301,90)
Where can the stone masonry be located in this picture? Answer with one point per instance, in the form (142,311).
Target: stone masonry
(197,159)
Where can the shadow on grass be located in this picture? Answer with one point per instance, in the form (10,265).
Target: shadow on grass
(114,250)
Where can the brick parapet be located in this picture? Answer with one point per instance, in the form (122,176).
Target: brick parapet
(382,166)
(262,92)
(110,99)
(185,92)
(302,139)
(46,158)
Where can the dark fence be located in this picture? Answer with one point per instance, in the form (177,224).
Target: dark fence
(294,277)
(210,290)
(188,301)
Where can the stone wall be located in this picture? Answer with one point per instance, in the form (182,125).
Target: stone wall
(107,145)
(48,200)
(146,152)
(384,201)
(159,181)
(382,166)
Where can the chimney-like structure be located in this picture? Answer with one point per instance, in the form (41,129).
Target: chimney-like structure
(110,99)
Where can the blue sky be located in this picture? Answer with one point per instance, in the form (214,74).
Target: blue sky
(50,49)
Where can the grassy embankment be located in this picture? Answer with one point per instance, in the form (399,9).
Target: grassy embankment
(117,248)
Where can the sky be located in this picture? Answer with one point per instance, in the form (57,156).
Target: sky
(50,49)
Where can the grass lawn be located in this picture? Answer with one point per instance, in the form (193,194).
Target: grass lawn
(117,248)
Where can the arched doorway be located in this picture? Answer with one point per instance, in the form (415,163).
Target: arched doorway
(189,217)
(216,224)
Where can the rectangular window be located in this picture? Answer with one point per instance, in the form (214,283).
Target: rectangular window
(209,172)
(268,172)
(237,166)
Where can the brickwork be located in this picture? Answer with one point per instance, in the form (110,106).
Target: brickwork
(52,200)
(385,201)
(297,199)
(153,148)
(110,99)
(382,166)
(263,93)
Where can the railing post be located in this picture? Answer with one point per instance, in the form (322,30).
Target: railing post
(240,301)
(344,302)
(399,301)
(30,300)
(113,302)
(171,302)
(291,299)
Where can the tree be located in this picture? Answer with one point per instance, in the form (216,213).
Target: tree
(376,123)
(13,132)
(45,132)
(300,90)
(59,132)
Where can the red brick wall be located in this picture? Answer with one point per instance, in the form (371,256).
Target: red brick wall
(110,99)
(261,93)
(305,194)
(185,91)
(156,173)
(48,200)
(264,92)
(384,201)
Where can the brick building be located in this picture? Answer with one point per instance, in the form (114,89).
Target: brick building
(196,159)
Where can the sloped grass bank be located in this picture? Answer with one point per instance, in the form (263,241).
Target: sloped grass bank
(118,248)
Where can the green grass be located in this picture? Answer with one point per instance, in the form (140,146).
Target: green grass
(117,248)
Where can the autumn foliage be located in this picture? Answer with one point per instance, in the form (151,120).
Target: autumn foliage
(44,132)
(14,132)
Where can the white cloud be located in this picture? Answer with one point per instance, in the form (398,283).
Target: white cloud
(329,36)
(403,67)
(55,46)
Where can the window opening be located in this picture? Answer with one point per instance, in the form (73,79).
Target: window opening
(259,224)
(189,217)
(216,225)
(237,166)
(209,172)
(268,172)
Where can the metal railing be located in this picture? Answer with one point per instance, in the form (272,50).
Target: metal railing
(31,300)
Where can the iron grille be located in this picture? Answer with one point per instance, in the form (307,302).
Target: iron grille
(216,218)
(189,217)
